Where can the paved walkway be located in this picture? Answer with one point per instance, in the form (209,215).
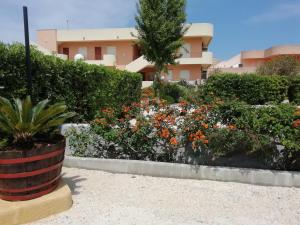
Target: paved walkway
(111,199)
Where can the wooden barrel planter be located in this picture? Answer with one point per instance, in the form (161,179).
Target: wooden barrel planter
(26,175)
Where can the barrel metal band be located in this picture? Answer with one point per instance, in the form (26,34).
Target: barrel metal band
(31,173)
(31,159)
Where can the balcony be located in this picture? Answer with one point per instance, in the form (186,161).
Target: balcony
(206,59)
(141,63)
(108,60)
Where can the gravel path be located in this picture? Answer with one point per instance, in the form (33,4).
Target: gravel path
(111,199)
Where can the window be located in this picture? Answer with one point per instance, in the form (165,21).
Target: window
(185,51)
(170,75)
(66,52)
(98,53)
(204,48)
(204,75)
(83,51)
(111,50)
(185,75)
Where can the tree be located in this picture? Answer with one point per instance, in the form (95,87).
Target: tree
(282,65)
(160,26)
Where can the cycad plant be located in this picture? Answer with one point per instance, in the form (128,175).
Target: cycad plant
(22,121)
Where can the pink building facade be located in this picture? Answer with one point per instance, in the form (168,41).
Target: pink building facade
(117,48)
(249,61)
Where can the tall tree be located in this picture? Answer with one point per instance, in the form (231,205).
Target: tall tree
(160,26)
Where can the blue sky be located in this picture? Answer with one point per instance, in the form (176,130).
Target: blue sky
(239,24)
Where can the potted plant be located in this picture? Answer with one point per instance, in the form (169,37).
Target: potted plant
(31,149)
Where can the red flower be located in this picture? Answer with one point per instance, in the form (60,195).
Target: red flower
(173,141)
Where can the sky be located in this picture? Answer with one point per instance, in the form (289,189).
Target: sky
(239,24)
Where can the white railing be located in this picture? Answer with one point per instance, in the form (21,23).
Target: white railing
(108,60)
(206,59)
(137,65)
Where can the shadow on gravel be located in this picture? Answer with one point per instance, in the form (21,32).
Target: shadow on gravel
(73,183)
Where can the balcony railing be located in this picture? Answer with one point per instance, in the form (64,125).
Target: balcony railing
(108,60)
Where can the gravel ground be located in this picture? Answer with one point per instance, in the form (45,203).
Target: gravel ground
(111,199)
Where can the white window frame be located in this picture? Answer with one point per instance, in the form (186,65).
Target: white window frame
(185,50)
(170,75)
(185,75)
(111,50)
(83,51)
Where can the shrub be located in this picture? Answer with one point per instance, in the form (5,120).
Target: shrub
(266,127)
(23,121)
(171,92)
(251,88)
(138,135)
(281,65)
(195,134)
(227,142)
(148,93)
(85,88)
(294,90)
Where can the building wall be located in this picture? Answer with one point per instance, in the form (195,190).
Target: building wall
(196,46)
(124,50)
(47,39)
(253,62)
(258,62)
(194,71)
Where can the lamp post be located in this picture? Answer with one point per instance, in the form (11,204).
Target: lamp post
(27,50)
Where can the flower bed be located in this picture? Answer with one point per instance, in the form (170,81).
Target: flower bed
(209,134)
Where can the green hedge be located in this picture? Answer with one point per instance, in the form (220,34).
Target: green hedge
(294,90)
(251,88)
(85,88)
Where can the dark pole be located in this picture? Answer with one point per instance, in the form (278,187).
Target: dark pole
(27,49)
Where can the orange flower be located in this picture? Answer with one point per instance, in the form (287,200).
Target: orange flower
(199,118)
(296,123)
(205,125)
(191,137)
(101,121)
(205,142)
(183,103)
(107,111)
(126,109)
(165,133)
(231,127)
(297,113)
(173,141)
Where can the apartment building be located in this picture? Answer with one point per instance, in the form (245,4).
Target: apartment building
(249,61)
(117,48)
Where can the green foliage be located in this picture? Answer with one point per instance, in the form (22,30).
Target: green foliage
(22,120)
(281,65)
(160,26)
(251,88)
(171,92)
(294,90)
(266,127)
(226,142)
(85,88)
(196,134)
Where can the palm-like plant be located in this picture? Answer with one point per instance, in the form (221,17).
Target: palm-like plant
(23,121)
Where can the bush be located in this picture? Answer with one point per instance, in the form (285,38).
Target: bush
(267,128)
(294,90)
(251,88)
(171,92)
(85,88)
(226,142)
(281,65)
(195,134)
